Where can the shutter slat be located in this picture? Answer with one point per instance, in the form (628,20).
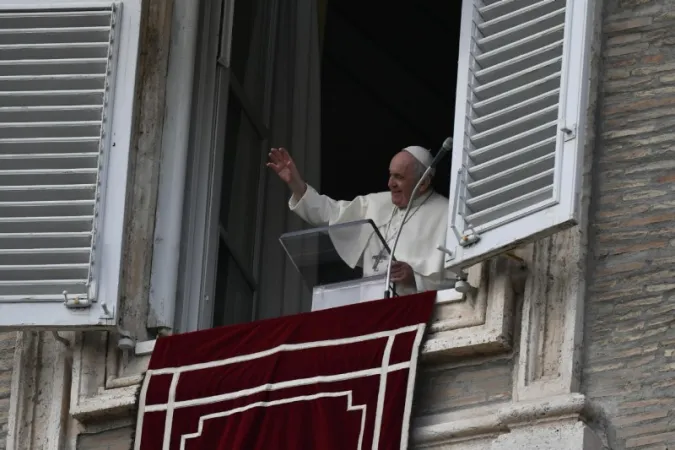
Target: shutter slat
(54,50)
(72,113)
(40,290)
(528,44)
(517,142)
(544,22)
(30,272)
(29,177)
(53,224)
(34,257)
(47,193)
(512,112)
(52,98)
(511,175)
(53,208)
(56,19)
(501,194)
(75,66)
(518,126)
(45,240)
(39,82)
(53,80)
(53,35)
(504,15)
(533,81)
(513,207)
(519,61)
(534,151)
(20,130)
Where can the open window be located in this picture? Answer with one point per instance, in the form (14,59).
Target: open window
(343,85)
(512,74)
(67,78)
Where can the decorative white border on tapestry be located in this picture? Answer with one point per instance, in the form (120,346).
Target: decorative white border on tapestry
(383,370)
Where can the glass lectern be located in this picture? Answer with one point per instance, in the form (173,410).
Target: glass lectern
(330,261)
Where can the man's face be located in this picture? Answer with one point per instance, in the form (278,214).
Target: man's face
(402,178)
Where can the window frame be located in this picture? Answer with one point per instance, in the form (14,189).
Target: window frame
(201,226)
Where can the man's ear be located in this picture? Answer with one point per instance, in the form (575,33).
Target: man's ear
(425,184)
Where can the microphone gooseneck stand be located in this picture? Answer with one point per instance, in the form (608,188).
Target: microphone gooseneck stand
(447,146)
(387,293)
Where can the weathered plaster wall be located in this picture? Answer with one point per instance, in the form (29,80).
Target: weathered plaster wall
(629,370)
(7,341)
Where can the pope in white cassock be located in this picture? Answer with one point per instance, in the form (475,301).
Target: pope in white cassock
(419,265)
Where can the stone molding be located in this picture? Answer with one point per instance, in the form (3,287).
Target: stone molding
(502,420)
(97,395)
(480,322)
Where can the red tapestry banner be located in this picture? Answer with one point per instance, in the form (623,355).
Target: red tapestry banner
(333,379)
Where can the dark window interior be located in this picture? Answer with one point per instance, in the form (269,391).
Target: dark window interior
(388,81)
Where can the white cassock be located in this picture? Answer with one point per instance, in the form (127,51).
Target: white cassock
(424,231)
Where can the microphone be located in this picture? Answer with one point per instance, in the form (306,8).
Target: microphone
(445,148)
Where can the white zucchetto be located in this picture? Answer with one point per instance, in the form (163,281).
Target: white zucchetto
(421,154)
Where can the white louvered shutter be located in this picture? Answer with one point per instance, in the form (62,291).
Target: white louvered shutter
(519,124)
(66,89)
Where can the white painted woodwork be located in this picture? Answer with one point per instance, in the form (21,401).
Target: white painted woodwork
(520,113)
(67,83)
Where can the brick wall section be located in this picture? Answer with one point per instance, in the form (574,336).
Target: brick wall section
(629,370)
(7,342)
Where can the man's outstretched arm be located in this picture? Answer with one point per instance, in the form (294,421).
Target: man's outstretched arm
(312,207)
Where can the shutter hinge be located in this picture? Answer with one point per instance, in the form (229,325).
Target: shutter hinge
(469,238)
(570,132)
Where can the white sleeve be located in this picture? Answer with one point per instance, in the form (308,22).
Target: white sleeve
(320,210)
(434,282)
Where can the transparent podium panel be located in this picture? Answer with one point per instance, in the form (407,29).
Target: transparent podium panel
(348,292)
(331,262)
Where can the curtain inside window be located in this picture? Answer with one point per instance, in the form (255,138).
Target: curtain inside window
(296,125)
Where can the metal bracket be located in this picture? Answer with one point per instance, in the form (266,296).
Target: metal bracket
(444,250)
(106,313)
(75,302)
(570,132)
(462,285)
(126,340)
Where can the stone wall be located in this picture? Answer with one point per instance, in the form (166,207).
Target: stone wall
(443,389)
(7,342)
(629,333)
(112,439)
